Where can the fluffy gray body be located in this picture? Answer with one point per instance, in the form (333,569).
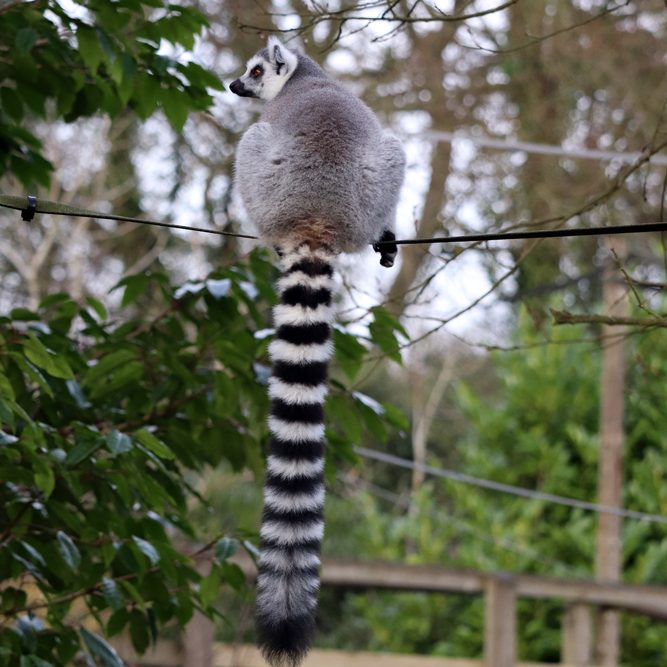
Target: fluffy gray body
(319,154)
(318,176)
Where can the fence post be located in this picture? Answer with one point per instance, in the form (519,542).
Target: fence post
(577,635)
(199,634)
(197,642)
(499,621)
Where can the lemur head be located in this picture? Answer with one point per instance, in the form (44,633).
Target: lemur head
(266,72)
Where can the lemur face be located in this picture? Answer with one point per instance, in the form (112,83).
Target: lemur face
(266,72)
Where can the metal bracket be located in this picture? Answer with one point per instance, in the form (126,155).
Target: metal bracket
(28,213)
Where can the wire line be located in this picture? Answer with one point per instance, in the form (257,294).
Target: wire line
(463,525)
(541,234)
(54,208)
(536,148)
(490,485)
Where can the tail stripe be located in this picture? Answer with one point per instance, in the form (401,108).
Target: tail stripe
(299,278)
(291,519)
(292,522)
(297,393)
(312,373)
(294,485)
(294,431)
(292,551)
(282,532)
(311,267)
(279,561)
(282,350)
(300,314)
(300,295)
(302,451)
(316,333)
(294,469)
(309,413)
(290,502)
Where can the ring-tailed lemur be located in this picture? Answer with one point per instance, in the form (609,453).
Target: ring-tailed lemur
(318,176)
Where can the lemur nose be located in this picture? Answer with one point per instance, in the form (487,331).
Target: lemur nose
(236,86)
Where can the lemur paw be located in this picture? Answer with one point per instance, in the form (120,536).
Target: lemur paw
(386,248)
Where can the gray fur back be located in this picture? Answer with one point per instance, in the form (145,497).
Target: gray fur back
(319,155)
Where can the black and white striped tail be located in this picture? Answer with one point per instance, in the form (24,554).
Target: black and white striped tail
(292,523)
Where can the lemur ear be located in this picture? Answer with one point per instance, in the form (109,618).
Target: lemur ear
(280,57)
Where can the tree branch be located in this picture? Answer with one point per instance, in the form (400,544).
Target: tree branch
(565,317)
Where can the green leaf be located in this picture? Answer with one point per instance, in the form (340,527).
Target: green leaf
(6,388)
(35,556)
(147,549)
(35,661)
(349,352)
(133,593)
(139,631)
(344,416)
(119,379)
(45,479)
(117,622)
(89,48)
(101,649)
(75,391)
(396,417)
(25,40)
(209,587)
(383,330)
(233,576)
(226,547)
(68,550)
(112,594)
(176,108)
(82,451)
(7,439)
(118,442)
(150,442)
(134,286)
(38,354)
(12,104)
(97,306)
(146,95)
(107,364)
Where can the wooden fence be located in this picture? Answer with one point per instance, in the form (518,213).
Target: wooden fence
(500,592)
(172,654)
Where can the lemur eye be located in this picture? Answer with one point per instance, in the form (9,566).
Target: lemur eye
(256,72)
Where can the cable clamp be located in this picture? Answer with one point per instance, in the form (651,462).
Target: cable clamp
(28,213)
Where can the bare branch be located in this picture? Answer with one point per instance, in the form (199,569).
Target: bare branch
(543,38)
(386,14)
(565,317)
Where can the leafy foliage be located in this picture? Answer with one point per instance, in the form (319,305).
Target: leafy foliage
(102,424)
(539,431)
(97,56)
(100,421)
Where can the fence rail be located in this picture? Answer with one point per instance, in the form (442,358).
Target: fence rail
(500,591)
(648,600)
(171,654)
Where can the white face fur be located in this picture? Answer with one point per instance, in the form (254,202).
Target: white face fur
(265,77)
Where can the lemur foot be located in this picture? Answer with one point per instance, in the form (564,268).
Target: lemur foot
(386,248)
